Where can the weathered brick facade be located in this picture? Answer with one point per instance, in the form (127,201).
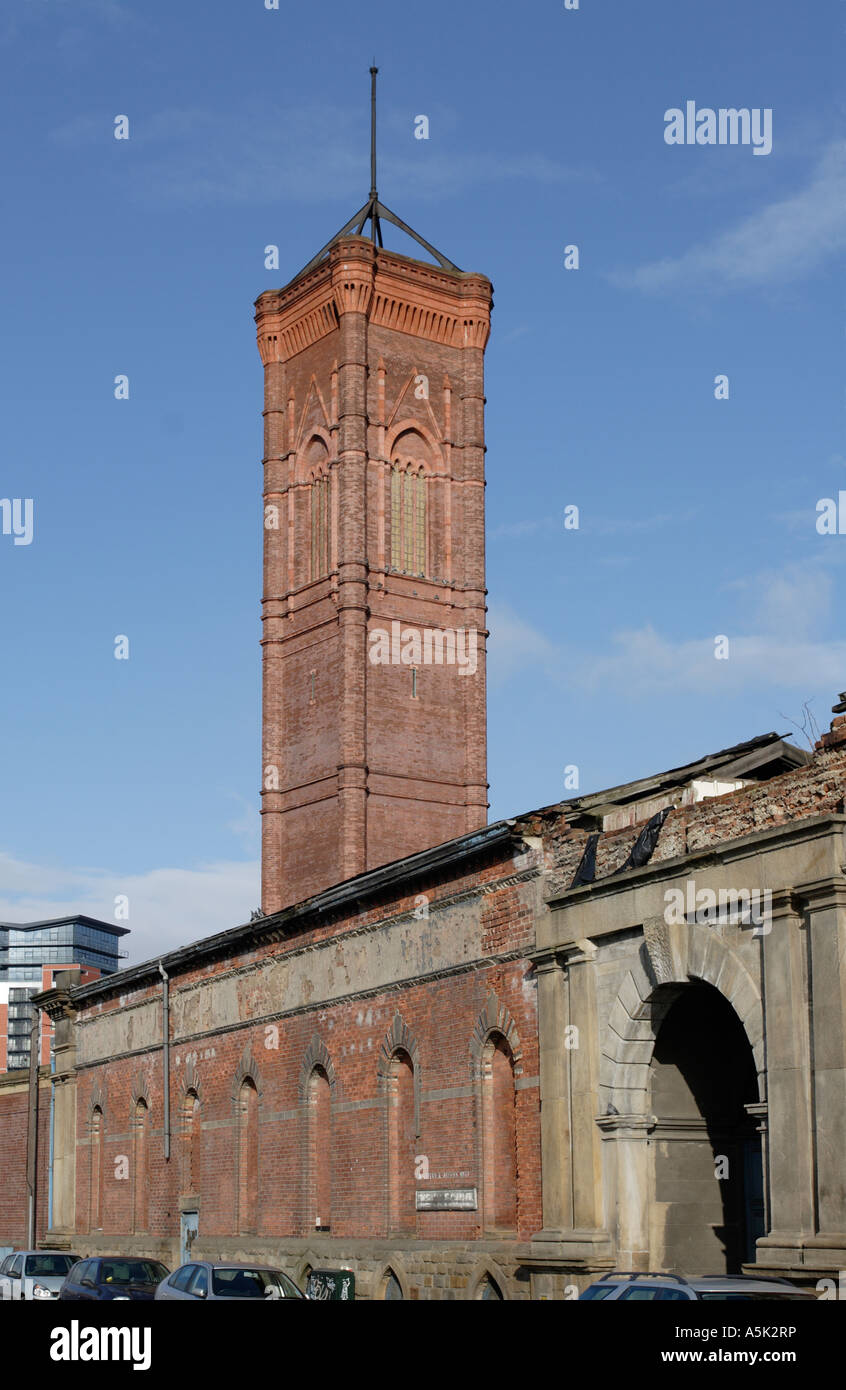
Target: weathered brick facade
(430,968)
(374,515)
(466,1018)
(460,1060)
(14,1112)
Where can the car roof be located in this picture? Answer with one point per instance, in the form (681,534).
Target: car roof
(239,1264)
(741,1281)
(700,1281)
(69,1253)
(136,1259)
(620,1276)
(232,1264)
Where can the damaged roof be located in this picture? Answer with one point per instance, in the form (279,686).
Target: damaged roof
(756,760)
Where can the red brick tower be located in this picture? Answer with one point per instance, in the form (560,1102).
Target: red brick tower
(374,741)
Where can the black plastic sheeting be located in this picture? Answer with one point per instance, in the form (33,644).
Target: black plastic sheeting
(641,852)
(586,872)
(644,846)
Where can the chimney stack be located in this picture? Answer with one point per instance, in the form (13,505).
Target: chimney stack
(837,733)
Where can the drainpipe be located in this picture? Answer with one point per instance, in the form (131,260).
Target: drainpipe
(52,1129)
(166,1056)
(32,1127)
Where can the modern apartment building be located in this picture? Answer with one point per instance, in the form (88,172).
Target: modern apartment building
(31,954)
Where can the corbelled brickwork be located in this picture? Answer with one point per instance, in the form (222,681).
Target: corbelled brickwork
(374,516)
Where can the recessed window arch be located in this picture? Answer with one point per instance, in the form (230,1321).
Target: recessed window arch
(410,466)
(141,1165)
(319,1123)
(499,1134)
(247,1115)
(316,460)
(95,1205)
(191,1143)
(401,1142)
(391,1287)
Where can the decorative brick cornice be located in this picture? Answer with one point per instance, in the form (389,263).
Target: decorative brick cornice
(140,1090)
(190,1080)
(284,333)
(398,1038)
(496,1018)
(317,1055)
(247,1071)
(395,292)
(97,1099)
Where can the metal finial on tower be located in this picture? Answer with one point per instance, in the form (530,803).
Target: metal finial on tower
(373,210)
(373,194)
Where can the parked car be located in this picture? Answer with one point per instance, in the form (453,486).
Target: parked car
(32,1275)
(203,1279)
(739,1288)
(113,1278)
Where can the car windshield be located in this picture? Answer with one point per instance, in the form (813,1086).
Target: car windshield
(47,1265)
(131,1272)
(252,1283)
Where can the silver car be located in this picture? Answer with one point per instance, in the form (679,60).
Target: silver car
(203,1279)
(662,1288)
(33,1275)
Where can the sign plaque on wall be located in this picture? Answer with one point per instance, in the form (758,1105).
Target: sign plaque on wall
(446,1199)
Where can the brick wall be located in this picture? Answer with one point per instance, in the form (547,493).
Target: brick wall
(14,1109)
(330,1143)
(371,360)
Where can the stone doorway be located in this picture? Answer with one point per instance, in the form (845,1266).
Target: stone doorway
(705,1153)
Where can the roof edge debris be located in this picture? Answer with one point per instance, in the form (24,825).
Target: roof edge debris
(758,758)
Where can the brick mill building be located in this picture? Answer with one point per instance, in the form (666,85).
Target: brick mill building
(462,1060)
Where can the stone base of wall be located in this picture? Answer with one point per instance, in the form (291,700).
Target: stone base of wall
(802,1261)
(425,1270)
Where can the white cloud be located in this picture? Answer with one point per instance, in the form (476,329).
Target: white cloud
(593,525)
(786,240)
(273,154)
(70,15)
(794,601)
(514,646)
(642,662)
(167,907)
(774,629)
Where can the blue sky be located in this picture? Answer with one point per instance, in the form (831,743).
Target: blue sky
(250,127)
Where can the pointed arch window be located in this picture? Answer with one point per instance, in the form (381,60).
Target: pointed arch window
(191,1140)
(499,1135)
(141,1166)
(401,1143)
(319,526)
(408,518)
(319,1152)
(247,1116)
(95,1213)
(313,513)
